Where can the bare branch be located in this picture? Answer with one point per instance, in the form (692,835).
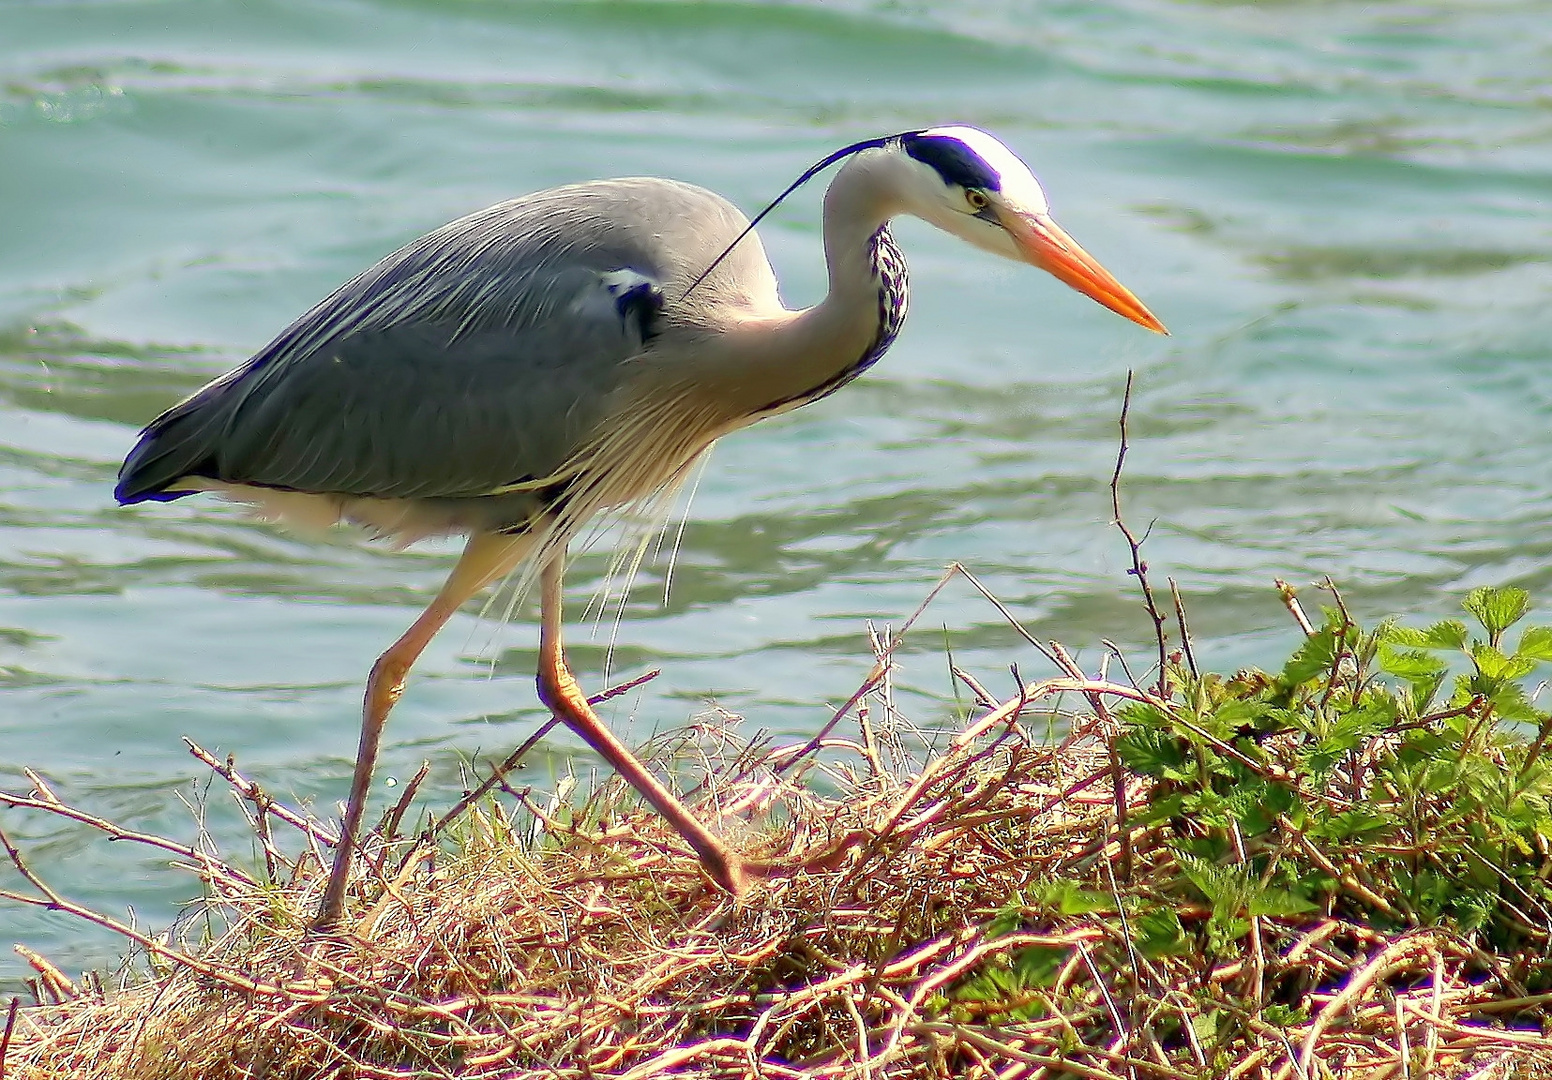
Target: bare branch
(211,867)
(1139,568)
(261,799)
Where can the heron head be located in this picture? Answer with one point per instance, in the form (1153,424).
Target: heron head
(966,182)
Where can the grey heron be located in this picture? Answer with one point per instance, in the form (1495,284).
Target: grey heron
(520,370)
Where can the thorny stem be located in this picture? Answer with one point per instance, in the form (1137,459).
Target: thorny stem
(1534,753)
(1342,651)
(1139,568)
(1117,774)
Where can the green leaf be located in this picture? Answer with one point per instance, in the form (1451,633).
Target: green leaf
(1037,965)
(1471,910)
(1000,979)
(1349,731)
(1512,703)
(1449,634)
(1155,753)
(1536,643)
(1266,801)
(1227,888)
(1159,934)
(1285,1016)
(1497,609)
(1424,691)
(1494,665)
(1207,807)
(1224,933)
(1206,1024)
(1138,715)
(1352,824)
(1159,809)
(1067,898)
(1412,665)
(1277,902)
(1233,715)
(1312,658)
(1008,918)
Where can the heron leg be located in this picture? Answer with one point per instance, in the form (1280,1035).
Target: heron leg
(486,557)
(558,689)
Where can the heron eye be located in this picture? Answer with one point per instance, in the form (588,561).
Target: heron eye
(977,199)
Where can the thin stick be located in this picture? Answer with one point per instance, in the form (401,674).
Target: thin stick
(498,777)
(388,828)
(1006,614)
(1290,598)
(983,696)
(44,791)
(1007,713)
(1117,773)
(1139,568)
(1185,630)
(52,901)
(57,981)
(272,857)
(227,770)
(874,677)
(50,804)
(10,1026)
(1391,957)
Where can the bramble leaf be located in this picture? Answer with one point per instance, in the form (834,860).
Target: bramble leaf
(1312,658)
(1536,643)
(1277,902)
(1066,898)
(1512,703)
(1160,934)
(1497,609)
(1448,634)
(1155,753)
(1493,664)
(1413,665)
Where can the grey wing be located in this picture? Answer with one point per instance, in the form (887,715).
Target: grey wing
(483,355)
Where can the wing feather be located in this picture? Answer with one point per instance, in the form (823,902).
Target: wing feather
(481,356)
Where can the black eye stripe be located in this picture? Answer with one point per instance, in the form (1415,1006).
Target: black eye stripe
(953,160)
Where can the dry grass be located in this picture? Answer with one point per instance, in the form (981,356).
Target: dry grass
(917,925)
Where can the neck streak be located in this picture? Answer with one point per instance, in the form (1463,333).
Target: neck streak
(892,285)
(775,361)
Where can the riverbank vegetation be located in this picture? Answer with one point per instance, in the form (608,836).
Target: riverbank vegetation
(1339,868)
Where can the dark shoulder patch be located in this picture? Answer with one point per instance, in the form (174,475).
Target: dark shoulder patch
(954,161)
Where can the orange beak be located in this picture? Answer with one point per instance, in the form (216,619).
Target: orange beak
(1045,244)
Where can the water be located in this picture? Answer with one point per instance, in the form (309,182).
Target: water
(1339,209)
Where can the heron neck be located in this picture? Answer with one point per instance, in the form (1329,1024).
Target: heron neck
(783,361)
